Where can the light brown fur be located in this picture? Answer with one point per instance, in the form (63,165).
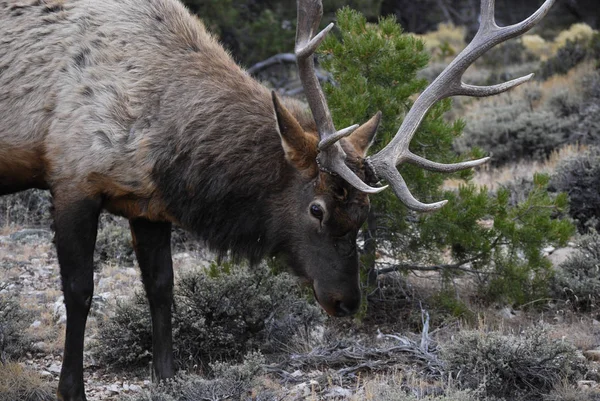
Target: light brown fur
(83,114)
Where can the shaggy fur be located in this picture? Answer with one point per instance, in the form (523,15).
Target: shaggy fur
(132,106)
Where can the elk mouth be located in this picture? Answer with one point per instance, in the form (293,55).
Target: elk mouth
(335,309)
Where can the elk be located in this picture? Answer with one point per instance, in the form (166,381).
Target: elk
(131,106)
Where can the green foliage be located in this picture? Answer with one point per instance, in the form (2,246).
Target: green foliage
(255,30)
(506,254)
(220,314)
(577,279)
(512,367)
(375,68)
(446,301)
(579,177)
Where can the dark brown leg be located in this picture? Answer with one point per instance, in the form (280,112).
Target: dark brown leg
(152,243)
(75,225)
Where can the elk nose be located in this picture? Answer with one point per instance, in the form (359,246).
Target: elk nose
(343,309)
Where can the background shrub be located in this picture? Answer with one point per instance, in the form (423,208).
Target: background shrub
(27,208)
(220,314)
(578,278)
(113,243)
(579,177)
(532,121)
(567,57)
(514,367)
(14,343)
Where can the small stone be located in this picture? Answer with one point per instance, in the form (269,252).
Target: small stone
(54,368)
(587,384)
(135,388)
(114,388)
(338,392)
(548,250)
(296,373)
(36,324)
(40,346)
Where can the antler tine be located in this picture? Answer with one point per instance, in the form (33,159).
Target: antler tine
(449,83)
(331,156)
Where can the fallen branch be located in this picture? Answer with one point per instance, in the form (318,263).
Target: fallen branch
(347,359)
(410,267)
(282,58)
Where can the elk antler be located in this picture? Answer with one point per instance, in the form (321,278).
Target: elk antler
(448,83)
(331,157)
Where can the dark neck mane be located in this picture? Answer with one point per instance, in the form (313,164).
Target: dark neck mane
(221,171)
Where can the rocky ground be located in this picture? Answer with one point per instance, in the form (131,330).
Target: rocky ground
(30,273)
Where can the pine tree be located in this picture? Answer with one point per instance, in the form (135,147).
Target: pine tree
(375,67)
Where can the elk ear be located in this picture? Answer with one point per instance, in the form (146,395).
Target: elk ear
(364,135)
(300,148)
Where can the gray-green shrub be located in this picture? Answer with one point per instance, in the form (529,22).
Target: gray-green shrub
(27,208)
(570,55)
(577,279)
(514,367)
(14,342)
(511,128)
(533,122)
(579,177)
(229,382)
(113,242)
(220,314)
(567,57)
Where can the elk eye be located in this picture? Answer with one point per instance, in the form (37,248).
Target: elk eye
(317,212)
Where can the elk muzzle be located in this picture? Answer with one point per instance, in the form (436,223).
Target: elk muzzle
(337,299)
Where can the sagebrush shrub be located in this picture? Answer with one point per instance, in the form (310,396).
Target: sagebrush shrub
(578,278)
(579,177)
(230,382)
(514,367)
(27,208)
(14,342)
(531,122)
(113,242)
(220,314)
(511,129)
(567,57)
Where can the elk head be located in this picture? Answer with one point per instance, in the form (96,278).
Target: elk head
(335,198)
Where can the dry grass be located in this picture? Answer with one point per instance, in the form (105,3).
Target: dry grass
(447,41)
(493,178)
(19,384)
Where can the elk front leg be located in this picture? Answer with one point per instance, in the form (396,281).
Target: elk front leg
(75,223)
(152,244)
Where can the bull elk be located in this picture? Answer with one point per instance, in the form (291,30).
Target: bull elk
(133,107)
